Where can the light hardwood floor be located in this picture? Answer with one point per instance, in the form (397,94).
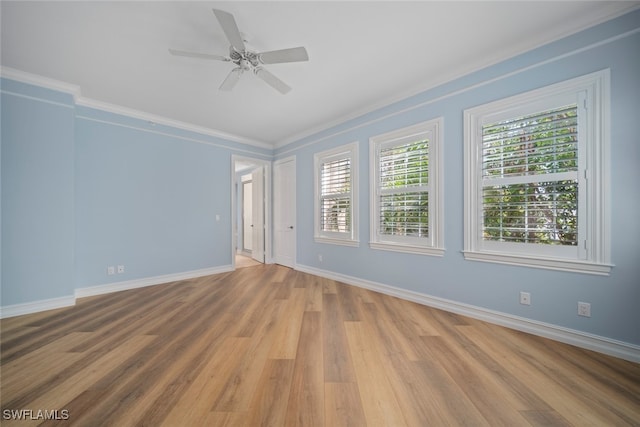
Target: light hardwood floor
(267,345)
(243,261)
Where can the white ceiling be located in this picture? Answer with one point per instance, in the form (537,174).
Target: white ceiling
(363,54)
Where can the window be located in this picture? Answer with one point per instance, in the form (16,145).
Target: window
(536,172)
(336,184)
(406,194)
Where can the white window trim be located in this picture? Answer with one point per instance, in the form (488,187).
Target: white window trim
(336,238)
(434,244)
(596,243)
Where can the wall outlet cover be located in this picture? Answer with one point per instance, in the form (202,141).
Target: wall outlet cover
(584,309)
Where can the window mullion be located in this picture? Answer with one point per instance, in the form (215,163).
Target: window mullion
(529,179)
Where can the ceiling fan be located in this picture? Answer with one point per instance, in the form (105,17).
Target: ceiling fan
(247,60)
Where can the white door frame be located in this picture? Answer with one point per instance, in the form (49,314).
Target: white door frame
(267,205)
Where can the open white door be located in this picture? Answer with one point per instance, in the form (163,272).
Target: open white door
(284,212)
(257,211)
(247,216)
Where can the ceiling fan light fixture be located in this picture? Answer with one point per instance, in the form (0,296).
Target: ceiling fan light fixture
(246,60)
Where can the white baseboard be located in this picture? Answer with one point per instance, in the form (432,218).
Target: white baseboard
(620,349)
(148,281)
(36,306)
(50,304)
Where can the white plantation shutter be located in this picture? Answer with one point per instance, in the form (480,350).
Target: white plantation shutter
(335,195)
(537,177)
(530,178)
(404,190)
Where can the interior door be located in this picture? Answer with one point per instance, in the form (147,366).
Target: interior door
(257,211)
(247,216)
(284,212)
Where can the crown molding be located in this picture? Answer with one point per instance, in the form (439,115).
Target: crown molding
(160,120)
(37,80)
(75,91)
(376,107)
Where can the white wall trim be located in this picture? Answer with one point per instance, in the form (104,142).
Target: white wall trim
(314,138)
(574,337)
(68,301)
(76,92)
(148,281)
(36,306)
(152,118)
(171,135)
(37,99)
(36,80)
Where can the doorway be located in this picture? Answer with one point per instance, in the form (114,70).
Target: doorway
(250,205)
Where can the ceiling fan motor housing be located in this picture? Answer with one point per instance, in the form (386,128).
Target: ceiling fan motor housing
(244,60)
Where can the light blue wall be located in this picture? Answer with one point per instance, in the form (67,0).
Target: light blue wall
(614,45)
(148,200)
(83,189)
(37,194)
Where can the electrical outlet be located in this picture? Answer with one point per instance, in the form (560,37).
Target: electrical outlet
(320,257)
(111,270)
(120,269)
(584,309)
(525,298)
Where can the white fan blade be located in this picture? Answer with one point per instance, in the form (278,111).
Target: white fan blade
(272,80)
(231,79)
(294,54)
(197,55)
(230,28)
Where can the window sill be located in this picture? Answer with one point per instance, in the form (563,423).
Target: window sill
(573,266)
(333,241)
(395,247)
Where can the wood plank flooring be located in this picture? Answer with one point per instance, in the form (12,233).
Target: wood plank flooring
(243,261)
(270,346)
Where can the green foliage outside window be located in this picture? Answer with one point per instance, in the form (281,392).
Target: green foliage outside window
(404,195)
(543,209)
